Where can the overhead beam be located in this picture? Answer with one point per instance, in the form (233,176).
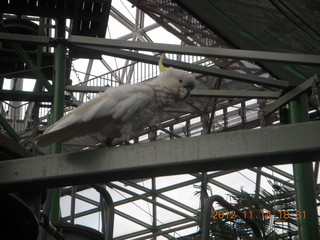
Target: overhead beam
(235,94)
(263,56)
(16,95)
(191,67)
(85,89)
(221,151)
(24,38)
(196,92)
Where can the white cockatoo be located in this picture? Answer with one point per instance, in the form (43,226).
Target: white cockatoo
(123,111)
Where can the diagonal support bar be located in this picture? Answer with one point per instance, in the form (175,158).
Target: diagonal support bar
(10,131)
(303,87)
(246,148)
(25,57)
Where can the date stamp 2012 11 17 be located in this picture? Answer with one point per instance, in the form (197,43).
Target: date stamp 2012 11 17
(283,215)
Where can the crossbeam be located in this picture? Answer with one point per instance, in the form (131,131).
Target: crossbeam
(190,67)
(17,95)
(264,56)
(24,38)
(221,151)
(235,94)
(196,92)
(260,56)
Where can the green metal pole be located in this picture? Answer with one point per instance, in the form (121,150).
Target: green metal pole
(58,103)
(28,61)
(304,179)
(6,126)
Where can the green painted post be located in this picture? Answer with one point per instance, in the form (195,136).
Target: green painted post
(58,103)
(28,61)
(304,179)
(6,126)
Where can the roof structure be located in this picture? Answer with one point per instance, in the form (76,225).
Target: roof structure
(250,58)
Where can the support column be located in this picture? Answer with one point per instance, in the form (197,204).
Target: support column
(304,179)
(154,208)
(258,183)
(58,102)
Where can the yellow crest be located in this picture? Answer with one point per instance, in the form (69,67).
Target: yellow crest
(162,68)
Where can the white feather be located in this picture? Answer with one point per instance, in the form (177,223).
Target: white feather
(122,111)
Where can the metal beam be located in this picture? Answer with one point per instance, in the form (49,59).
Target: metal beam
(191,67)
(28,61)
(10,131)
(16,95)
(246,148)
(235,94)
(24,38)
(197,92)
(168,199)
(263,56)
(159,204)
(85,89)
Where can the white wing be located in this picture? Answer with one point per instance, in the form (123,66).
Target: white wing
(118,104)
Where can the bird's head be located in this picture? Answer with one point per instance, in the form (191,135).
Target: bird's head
(179,81)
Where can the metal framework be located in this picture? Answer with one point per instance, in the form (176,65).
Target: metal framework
(237,89)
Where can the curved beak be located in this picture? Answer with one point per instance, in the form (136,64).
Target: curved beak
(189,88)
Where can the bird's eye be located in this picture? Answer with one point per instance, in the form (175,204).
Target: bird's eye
(180,80)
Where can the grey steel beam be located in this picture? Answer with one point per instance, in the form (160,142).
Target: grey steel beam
(85,89)
(271,176)
(247,148)
(176,203)
(168,199)
(133,219)
(197,92)
(225,187)
(281,172)
(263,56)
(191,67)
(161,205)
(23,38)
(168,226)
(219,184)
(169,230)
(235,94)
(81,214)
(17,95)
